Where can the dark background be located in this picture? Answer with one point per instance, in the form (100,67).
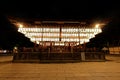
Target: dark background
(58,10)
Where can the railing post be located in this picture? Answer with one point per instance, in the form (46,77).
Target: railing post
(83,56)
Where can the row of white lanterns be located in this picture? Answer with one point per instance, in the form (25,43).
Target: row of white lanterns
(69,34)
(57,39)
(58,30)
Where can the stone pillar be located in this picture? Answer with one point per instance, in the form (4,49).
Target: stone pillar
(83,56)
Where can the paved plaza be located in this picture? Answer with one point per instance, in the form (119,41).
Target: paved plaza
(108,70)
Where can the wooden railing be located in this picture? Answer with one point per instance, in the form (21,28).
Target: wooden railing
(81,56)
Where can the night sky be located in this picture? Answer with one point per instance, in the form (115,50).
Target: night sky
(57,10)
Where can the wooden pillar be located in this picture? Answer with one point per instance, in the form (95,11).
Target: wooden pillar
(60,33)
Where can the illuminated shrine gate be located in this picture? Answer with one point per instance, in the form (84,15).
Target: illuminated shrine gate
(52,38)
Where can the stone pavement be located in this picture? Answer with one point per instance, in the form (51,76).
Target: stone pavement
(108,70)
